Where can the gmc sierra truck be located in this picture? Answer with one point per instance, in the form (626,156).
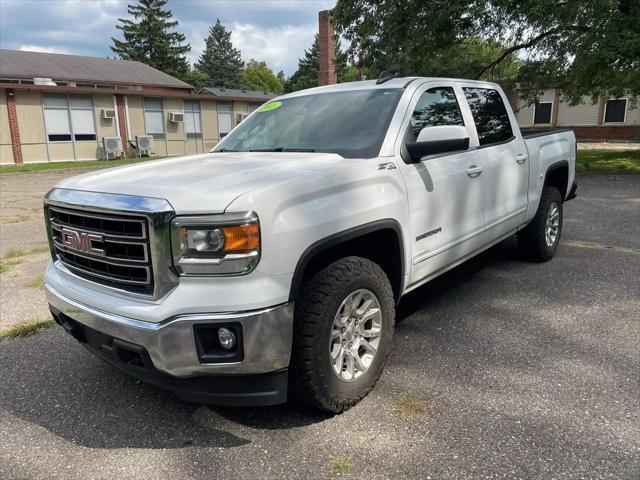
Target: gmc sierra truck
(272,265)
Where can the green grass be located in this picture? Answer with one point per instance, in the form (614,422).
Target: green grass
(340,465)
(14,253)
(25,329)
(5,265)
(37,283)
(608,161)
(38,167)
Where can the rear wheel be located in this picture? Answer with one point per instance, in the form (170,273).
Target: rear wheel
(344,323)
(539,240)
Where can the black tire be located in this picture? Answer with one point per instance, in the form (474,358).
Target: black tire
(311,377)
(532,241)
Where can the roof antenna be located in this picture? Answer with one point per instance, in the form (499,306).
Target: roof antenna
(385,76)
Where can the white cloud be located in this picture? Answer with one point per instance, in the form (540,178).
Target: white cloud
(276,31)
(38,48)
(280,47)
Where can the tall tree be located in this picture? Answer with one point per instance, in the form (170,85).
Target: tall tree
(258,76)
(220,62)
(308,67)
(587,47)
(150,38)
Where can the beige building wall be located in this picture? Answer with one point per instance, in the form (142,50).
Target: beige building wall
(60,151)
(6,150)
(89,150)
(136,116)
(633,114)
(105,127)
(6,155)
(31,126)
(585,113)
(176,144)
(209,123)
(524,115)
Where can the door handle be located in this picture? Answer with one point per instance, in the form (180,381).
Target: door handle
(473,171)
(521,158)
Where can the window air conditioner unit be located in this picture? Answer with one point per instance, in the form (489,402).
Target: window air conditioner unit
(108,113)
(144,144)
(242,116)
(47,82)
(112,147)
(176,117)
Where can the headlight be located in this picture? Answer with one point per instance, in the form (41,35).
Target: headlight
(224,244)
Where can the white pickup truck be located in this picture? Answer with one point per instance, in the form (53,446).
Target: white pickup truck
(272,265)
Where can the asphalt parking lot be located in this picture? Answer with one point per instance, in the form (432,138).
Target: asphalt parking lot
(501,369)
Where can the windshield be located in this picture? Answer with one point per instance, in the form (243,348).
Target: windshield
(350,123)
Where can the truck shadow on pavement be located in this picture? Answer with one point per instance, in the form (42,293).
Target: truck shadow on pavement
(75,396)
(448,334)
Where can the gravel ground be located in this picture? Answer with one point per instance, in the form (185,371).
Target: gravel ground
(22,236)
(501,369)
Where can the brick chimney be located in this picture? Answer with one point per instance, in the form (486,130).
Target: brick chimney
(326,51)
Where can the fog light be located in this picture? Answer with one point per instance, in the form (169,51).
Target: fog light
(227,338)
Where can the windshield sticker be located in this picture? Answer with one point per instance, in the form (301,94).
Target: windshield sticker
(269,106)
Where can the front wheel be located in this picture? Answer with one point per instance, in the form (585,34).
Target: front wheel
(539,240)
(344,322)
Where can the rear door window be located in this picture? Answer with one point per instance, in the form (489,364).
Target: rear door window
(489,115)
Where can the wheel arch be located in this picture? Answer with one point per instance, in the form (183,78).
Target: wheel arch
(557,175)
(387,250)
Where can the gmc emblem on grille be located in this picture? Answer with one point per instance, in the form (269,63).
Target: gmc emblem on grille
(83,242)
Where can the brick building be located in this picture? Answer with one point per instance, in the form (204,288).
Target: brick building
(61,107)
(607,120)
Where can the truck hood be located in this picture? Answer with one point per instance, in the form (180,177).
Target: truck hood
(205,183)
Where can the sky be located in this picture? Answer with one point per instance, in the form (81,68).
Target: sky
(276,31)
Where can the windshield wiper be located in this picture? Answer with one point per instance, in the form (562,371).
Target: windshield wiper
(225,150)
(282,149)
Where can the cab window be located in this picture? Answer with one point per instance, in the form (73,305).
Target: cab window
(436,106)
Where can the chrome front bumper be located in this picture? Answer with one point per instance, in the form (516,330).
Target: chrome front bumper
(267,336)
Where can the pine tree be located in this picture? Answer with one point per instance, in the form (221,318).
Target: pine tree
(149,38)
(308,67)
(220,62)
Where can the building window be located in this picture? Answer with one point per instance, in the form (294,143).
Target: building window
(489,115)
(154,117)
(192,120)
(69,115)
(225,118)
(542,112)
(615,111)
(252,107)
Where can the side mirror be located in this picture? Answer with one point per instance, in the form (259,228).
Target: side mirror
(439,139)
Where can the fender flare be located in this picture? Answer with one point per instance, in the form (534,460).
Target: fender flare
(336,239)
(553,167)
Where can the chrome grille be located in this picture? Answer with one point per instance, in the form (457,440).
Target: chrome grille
(119,256)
